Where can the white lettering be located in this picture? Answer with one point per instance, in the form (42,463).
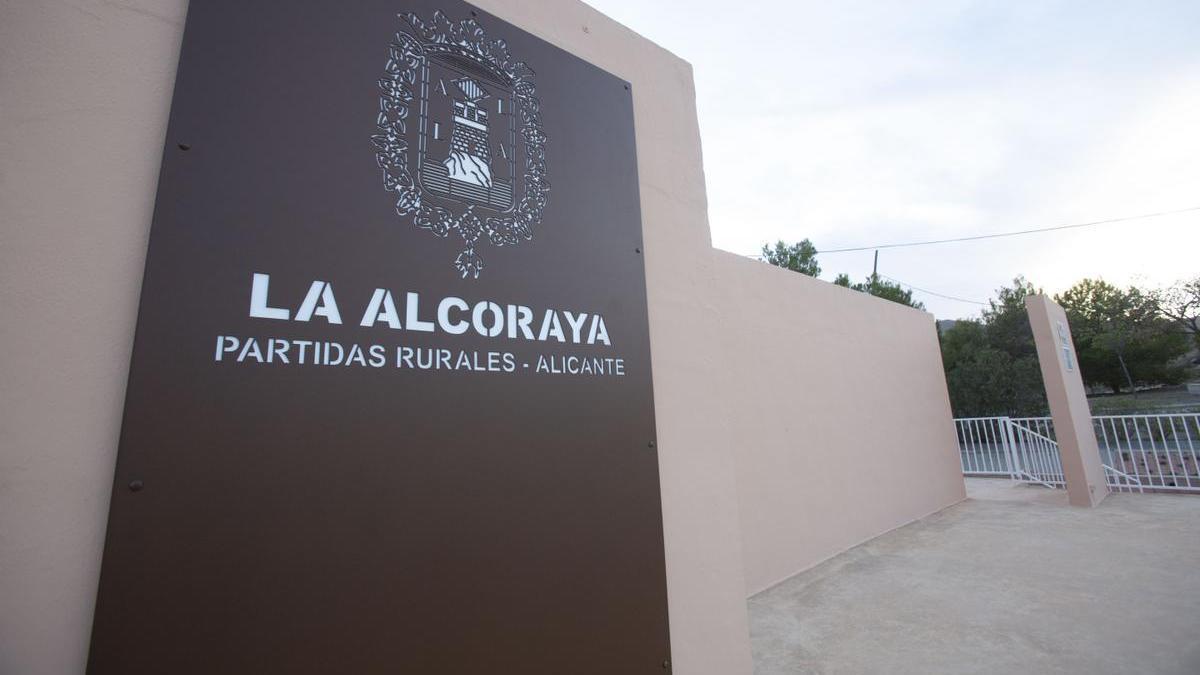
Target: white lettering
(598,332)
(463,362)
(378,356)
(386,314)
(410,313)
(250,349)
(276,347)
(551,327)
(576,324)
(443,314)
(319,290)
(258,300)
(497,319)
(225,345)
(356,356)
(519,318)
(341,353)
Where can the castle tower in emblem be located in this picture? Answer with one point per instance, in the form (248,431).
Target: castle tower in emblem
(469,159)
(469,135)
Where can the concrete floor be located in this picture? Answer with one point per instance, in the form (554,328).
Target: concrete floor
(1010,581)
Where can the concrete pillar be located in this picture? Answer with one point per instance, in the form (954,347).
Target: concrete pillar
(1082,467)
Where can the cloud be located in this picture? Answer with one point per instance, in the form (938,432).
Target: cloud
(868,122)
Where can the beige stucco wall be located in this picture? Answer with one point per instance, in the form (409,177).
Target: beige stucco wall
(840,415)
(1083,470)
(85,91)
(795,419)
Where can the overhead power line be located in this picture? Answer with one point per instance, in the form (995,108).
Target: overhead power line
(978,237)
(928,292)
(1006,234)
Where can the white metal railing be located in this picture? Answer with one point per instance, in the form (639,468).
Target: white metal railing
(985,446)
(1157,453)
(1121,481)
(1036,452)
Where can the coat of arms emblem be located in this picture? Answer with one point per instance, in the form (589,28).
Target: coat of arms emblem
(460,138)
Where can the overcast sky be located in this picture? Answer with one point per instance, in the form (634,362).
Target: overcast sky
(857,123)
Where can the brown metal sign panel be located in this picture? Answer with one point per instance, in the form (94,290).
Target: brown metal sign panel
(390,405)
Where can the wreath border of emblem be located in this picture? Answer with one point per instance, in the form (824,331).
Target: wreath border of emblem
(406,57)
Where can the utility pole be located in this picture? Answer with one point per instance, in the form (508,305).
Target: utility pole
(875,272)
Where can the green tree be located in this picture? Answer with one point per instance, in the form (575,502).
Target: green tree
(1120,336)
(802,257)
(991,382)
(799,257)
(991,363)
(1181,303)
(881,288)
(962,341)
(1007,320)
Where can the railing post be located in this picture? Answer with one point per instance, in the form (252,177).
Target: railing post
(1011,446)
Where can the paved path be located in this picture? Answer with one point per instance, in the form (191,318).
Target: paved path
(1010,581)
